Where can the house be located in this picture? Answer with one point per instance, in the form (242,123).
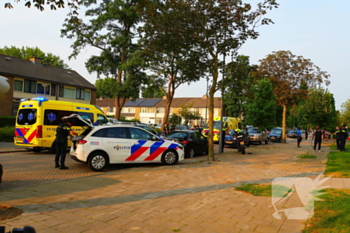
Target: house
(152,110)
(31,78)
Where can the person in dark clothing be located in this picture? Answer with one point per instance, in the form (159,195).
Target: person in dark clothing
(223,140)
(62,132)
(300,137)
(337,137)
(343,134)
(318,136)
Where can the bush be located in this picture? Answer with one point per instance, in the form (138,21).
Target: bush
(7,121)
(7,134)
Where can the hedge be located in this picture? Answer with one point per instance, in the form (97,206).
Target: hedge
(7,133)
(7,121)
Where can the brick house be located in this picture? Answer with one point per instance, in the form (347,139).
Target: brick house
(31,78)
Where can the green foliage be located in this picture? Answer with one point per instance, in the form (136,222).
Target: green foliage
(106,88)
(186,113)
(319,109)
(175,119)
(153,88)
(111,28)
(261,108)
(7,133)
(264,190)
(238,82)
(27,52)
(7,121)
(345,113)
(338,162)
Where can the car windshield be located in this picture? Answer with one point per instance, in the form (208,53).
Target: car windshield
(276,131)
(252,130)
(177,135)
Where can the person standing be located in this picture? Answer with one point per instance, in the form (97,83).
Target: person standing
(318,136)
(299,136)
(62,132)
(342,138)
(337,137)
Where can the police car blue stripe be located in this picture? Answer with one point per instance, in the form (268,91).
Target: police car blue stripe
(134,148)
(155,146)
(173,146)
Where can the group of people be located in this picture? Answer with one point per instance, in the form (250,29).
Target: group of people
(318,135)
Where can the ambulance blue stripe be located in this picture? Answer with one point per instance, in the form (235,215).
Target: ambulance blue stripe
(96,123)
(134,148)
(20,134)
(155,146)
(173,146)
(83,108)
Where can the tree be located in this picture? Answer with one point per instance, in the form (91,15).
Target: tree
(153,88)
(262,105)
(106,87)
(27,52)
(167,40)
(287,72)
(186,112)
(238,82)
(319,109)
(221,27)
(175,119)
(111,29)
(345,112)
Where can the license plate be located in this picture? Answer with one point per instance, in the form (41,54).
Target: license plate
(229,142)
(242,143)
(272,138)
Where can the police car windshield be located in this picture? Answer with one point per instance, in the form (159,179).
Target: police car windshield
(26,116)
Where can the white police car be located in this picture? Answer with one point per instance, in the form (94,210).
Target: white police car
(111,144)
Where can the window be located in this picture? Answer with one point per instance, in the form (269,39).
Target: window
(40,88)
(144,110)
(140,134)
(54,117)
(15,105)
(26,116)
(87,95)
(18,85)
(110,109)
(53,90)
(68,93)
(29,86)
(80,94)
(116,133)
(101,119)
(61,91)
(101,133)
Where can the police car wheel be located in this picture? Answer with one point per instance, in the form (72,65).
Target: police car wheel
(169,157)
(98,161)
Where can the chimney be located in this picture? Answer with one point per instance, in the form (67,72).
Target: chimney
(205,97)
(164,97)
(35,60)
(101,98)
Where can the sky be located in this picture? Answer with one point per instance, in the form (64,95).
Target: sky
(315,29)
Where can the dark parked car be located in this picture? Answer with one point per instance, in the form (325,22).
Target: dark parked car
(148,128)
(182,127)
(230,138)
(275,135)
(194,142)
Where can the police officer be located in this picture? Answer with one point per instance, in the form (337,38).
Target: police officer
(342,138)
(62,132)
(337,136)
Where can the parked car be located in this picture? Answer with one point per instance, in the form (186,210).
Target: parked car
(230,138)
(194,142)
(275,135)
(292,133)
(257,136)
(113,120)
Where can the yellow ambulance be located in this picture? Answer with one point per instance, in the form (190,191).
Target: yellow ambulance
(229,123)
(38,118)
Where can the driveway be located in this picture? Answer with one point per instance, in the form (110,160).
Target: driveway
(193,196)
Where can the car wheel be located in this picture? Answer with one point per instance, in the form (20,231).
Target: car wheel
(191,155)
(169,157)
(98,161)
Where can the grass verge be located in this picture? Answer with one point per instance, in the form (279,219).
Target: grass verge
(332,214)
(264,190)
(338,164)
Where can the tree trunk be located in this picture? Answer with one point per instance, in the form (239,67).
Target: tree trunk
(284,123)
(119,104)
(167,110)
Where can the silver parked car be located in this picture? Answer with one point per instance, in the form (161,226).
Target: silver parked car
(257,136)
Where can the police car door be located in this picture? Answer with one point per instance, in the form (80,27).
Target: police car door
(143,148)
(117,144)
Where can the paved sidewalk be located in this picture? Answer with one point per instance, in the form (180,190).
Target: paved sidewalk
(193,196)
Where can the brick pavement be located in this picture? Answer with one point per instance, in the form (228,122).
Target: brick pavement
(193,196)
